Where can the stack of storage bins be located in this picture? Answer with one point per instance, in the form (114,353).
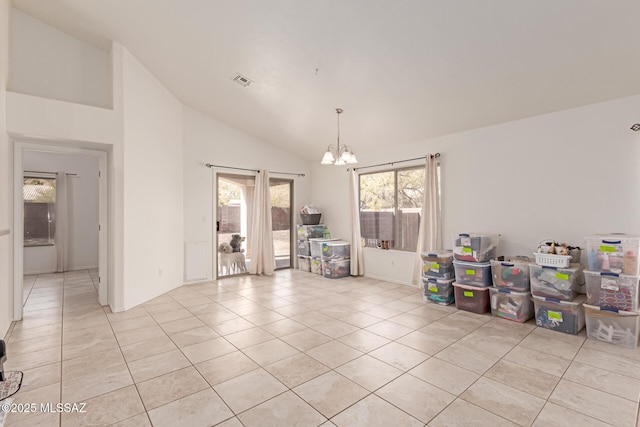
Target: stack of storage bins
(510,295)
(612,289)
(315,254)
(336,259)
(472,254)
(437,277)
(305,233)
(554,285)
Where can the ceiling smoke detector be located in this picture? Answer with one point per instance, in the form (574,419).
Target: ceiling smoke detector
(636,127)
(242,80)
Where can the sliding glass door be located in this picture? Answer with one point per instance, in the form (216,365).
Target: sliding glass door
(235,199)
(234,212)
(281,220)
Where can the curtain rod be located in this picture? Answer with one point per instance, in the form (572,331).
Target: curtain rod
(51,173)
(393,163)
(209,165)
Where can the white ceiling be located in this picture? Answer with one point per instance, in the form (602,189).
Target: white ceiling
(403,71)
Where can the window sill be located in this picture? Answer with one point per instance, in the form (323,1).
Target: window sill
(399,251)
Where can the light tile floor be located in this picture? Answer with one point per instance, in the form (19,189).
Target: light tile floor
(298,349)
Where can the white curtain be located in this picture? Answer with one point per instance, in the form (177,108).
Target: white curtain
(62,223)
(261,237)
(357,261)
(430,234)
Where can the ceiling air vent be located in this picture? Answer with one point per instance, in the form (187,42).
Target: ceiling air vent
(241,80)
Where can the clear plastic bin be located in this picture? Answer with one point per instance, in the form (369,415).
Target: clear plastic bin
(336,250)
(437,270)
(440,257)
(473,273)
(474,247)
(316,246)
(336,269)
(306,232)
(304,263)
(316,265)
(471,298)
(616,253)
(619,328)
(304,248)
(512,273)
(612,290)
(561,316)
(511,305)
(439,291)
(553,282)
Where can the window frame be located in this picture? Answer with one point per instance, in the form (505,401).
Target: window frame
(39,175)
(395,225)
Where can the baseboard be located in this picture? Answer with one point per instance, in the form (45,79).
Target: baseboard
(387,279)
(196,281)
(31,273)
(90,267)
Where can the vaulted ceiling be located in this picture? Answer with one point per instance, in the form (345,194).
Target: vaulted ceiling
(403,71)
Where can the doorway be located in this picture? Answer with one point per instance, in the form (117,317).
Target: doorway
(76,180)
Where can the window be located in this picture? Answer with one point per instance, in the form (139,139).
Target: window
(39,195)
(390,207)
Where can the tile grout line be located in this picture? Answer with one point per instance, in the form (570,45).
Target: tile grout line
(135,385)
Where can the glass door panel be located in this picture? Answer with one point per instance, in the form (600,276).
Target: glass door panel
(281,220)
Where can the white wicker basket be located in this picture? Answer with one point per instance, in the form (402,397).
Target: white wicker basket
(551,260)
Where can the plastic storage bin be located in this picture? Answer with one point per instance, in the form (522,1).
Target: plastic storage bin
(474,247)
(561,316)
(616,253)
(438,265)
(439,291)
(304,248)
(513,273)
(336,269)
(619,328)
(558,283)
(316,246)
(471,298)
(316,265)
(612,290)
(304,263)
(473,273)
(306,232)
(441,257)
(336,250)
(511,305)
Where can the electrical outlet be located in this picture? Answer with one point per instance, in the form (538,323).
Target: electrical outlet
(159,272)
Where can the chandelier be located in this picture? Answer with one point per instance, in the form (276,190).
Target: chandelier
(338,154)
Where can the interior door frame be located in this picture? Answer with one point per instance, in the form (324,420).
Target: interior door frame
(18,216)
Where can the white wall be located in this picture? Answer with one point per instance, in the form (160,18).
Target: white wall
(207,140)
(563,175)
(153,185)
(49,63)
(83,212)
(6,173)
